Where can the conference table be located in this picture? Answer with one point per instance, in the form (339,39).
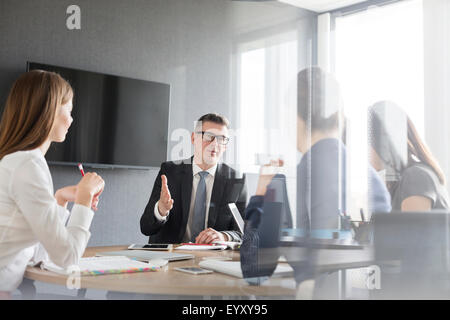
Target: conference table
(168,281)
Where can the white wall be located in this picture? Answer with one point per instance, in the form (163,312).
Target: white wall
(437,79)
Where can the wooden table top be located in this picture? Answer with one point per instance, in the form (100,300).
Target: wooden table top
(171,282)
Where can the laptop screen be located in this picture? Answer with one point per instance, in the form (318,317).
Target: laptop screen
(237,216)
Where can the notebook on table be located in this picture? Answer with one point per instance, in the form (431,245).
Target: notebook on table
(93,266)
(233,268)
(145,255)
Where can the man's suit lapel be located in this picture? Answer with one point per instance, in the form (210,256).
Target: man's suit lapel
(216,196)
(186,192)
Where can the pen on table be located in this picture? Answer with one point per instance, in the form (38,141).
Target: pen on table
(80,166)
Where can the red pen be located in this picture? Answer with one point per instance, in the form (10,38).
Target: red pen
(80,166)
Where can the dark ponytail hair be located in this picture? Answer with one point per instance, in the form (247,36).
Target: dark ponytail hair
(418,149)
(396,141)
(318,100)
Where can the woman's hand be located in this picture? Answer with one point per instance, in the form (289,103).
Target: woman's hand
(68,194)
(65,195)
(89,189)
(266,173)
(96,200)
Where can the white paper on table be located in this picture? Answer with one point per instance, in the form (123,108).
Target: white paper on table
(198,247)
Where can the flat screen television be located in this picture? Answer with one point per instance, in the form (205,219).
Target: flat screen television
(118,121)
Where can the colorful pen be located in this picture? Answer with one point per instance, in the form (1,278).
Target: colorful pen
(80,166)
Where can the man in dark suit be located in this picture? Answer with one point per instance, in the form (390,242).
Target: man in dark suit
(189,201)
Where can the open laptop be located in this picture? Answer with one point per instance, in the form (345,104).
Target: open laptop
(237,216)
(413,236)
(233,268)
(142,255)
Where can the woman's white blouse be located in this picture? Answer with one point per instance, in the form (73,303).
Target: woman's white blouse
(31,220)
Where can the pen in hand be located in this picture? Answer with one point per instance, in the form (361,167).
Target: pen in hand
(80,167)
(95,200)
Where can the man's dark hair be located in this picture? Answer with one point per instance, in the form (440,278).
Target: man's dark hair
(215,118)
(318,100)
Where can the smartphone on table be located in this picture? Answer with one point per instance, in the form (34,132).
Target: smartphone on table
(194,270)
(151,246)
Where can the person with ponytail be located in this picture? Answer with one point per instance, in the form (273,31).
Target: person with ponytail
(413,177)
(34,221)
(321,183)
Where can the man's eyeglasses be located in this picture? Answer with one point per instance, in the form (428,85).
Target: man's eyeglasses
(209,137)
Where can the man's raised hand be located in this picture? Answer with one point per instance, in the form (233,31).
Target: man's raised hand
(165,202)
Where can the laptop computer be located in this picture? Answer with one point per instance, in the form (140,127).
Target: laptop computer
(233,268)
(142,255)
(413,236)
(237,216)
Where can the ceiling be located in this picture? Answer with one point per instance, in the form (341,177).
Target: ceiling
(315,5)
(321,5)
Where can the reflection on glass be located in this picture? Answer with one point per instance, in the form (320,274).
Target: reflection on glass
(321,188)
(412,174)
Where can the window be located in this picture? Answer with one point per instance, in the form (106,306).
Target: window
(378,56)
(267,105)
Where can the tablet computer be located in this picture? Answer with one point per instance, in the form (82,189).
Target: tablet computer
(193,270)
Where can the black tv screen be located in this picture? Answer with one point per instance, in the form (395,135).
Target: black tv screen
(118,121)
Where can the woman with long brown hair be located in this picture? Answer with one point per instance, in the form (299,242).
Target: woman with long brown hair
(32,218)
(413,176)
